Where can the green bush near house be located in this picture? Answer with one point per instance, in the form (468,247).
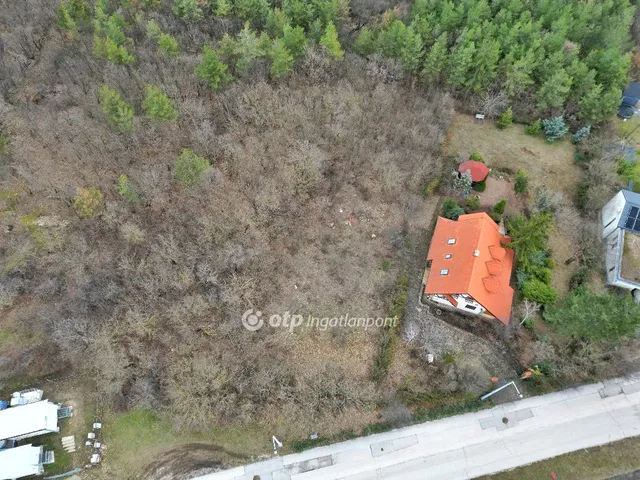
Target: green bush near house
(480,186)
(473,203)
(476,156)
(500,207)
(431,187)
(451,209)
(522,181)
(533,129)
(585,315)
(505,119)
(539,292)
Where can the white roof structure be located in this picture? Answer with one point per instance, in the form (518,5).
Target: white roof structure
(24,421)
(20,462)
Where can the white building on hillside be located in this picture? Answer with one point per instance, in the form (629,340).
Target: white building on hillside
(25,421)
(23,461)
(621,237)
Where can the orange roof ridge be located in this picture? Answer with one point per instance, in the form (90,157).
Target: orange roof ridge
(494,267)
(491,284)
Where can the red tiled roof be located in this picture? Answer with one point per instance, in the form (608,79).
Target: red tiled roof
(479,170)
(479,266)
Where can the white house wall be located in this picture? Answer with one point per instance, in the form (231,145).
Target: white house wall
(462,300)
(611,213)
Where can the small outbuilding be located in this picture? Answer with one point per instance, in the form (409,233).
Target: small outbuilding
(23,461)
(30,420)
(629,106)
(479,171)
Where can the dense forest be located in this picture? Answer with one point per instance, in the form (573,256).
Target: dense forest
(542,56)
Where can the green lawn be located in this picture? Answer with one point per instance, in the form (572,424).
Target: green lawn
(136,438)
(591,464)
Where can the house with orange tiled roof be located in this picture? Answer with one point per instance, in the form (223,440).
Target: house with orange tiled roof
(468,268)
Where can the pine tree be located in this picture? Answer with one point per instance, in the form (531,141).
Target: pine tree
(581,134)
(331,43)
(436,61)
(554,91)
(460,62)
(365,44)
(223,8)
(158,105)
(190,167)
(188,10)
(247,48)
(281,59)
(505,119)
(294,39)
(412,52)
(597,105)
(554,128)
(119,112)
(212,69)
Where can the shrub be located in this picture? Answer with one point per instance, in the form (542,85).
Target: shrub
(579,277)
(533,129)
(592,317)
(473,203)
(87,201)
(476,156)
(190,167)
(127,192)
(480,186)
(554,128)
(212,69)
(500,207)
(158,105)
(330,42)
(451,209)
(581,134)
(505,119)
(529,324)
(495,217)
(628,170)
(522,181)
(539,292)
(431,187)
(119,112)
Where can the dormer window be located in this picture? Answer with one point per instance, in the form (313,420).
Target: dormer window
(444,271)
(451,241)
(448,255)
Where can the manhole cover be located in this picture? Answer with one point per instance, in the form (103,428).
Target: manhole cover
(505,420)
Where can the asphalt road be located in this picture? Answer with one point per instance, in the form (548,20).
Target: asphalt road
(470,445)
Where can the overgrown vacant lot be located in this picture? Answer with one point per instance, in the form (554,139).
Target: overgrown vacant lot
(314,184)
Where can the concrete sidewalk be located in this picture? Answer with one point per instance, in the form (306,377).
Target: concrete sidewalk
(470,445)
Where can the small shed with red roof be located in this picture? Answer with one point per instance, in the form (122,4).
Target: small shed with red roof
(479,170)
